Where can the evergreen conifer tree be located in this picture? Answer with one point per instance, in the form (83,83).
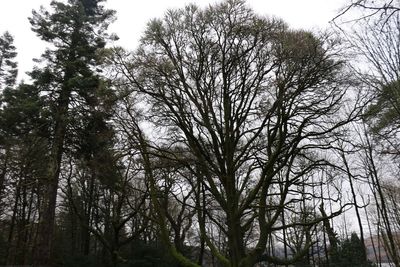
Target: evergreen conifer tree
(76,31)
(350,253)
(8,65)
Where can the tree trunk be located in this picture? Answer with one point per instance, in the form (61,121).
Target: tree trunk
(43,252)
(10,256)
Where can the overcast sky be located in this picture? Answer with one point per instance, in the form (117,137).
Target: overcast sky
(132,16)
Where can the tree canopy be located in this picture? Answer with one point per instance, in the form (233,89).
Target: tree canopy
(226,138)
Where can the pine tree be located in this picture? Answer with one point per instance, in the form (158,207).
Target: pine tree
(24,144)
(350,253)
(8,65)
(8,72)
(77,31)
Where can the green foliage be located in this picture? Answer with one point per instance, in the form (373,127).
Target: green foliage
(24,129)
(8,65)
(82,261)
(23,111)
(350,254)
(141,255)
(383,118)
(76,30)
(69,81)
(385,111)
(149,255)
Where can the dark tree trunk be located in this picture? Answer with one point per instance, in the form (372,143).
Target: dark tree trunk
(43,252)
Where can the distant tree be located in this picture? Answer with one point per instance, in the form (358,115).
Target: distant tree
(8,65)
(350,252)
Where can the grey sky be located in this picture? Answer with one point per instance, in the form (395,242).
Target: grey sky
(133,16)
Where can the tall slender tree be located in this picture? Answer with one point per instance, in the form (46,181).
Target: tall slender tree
(76,30)
(8,73)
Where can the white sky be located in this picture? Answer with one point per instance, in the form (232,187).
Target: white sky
(132,16)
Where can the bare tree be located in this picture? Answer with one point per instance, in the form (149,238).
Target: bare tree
(365,9)
(386,228)
(256,106)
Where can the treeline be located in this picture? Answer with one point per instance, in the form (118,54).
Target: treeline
(224,139)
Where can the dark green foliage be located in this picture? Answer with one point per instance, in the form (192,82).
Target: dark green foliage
(140,254)
(385,111)
(349,254)
(77,31)
(152,257)
(69,81)
(24,149)
(23,111)
(149,255)
(8,65)
(82,261)
(93,137)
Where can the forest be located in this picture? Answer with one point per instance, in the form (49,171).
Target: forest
(225,138)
